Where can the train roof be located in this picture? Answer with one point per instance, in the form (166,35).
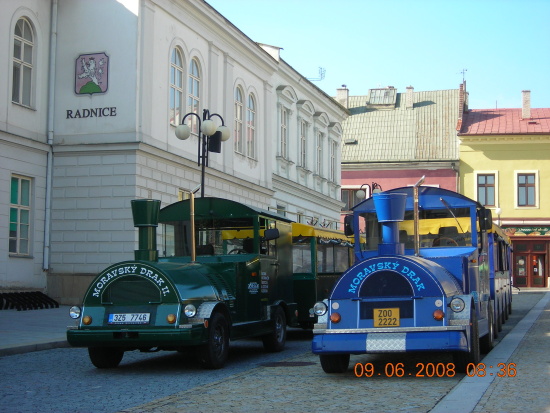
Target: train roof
(306,230)
(207,207)
(428,198)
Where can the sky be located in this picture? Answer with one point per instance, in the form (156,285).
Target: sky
(500,47)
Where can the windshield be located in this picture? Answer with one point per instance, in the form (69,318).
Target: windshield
(437,228)
(212,237)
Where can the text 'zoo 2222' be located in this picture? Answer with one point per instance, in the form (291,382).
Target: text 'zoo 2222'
(434,275)
(225,271)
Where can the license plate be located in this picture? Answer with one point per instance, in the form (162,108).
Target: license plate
(386,317)
(129,318)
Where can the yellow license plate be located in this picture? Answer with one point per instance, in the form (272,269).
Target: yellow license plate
(386,317)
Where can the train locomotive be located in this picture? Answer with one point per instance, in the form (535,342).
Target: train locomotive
(432,276)
(224,272)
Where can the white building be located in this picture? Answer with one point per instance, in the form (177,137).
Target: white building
(93,92)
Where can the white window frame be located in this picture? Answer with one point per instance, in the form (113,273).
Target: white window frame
(251,110)
(537,189)
(22,69)
(176,111)
(304,128)
(21,228)
(239,120)
(193,95)
(284,126)
(491,172)
(320,141)
(333,149)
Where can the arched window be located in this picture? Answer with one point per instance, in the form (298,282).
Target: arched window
(251,127)
(193,96)
(23,45)
(239,103)
(176,87)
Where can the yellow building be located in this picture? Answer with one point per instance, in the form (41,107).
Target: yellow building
(504,165)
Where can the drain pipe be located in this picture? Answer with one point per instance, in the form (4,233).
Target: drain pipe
(49,165)
(416,216)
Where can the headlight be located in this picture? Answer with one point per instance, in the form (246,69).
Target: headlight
(457,304)
(190,310)
(74,312)
(320,308)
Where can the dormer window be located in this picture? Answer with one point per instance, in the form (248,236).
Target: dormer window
(382,98)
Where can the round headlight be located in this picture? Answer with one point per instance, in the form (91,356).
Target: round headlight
(190,310)
(75,311)
(320,308)
(457,304)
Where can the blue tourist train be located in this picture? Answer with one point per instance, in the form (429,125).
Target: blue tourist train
(432,274)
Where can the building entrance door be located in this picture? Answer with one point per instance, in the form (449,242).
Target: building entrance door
(529,270)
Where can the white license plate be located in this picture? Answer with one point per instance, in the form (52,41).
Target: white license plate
(129,318)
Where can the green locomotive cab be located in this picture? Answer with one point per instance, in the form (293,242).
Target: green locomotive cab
(223,272)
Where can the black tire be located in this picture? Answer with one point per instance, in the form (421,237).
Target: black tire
(105,357)
(487,342)
(276,340)
(506,311)
(334,363)
(499,318)
(214,353)
(462,358)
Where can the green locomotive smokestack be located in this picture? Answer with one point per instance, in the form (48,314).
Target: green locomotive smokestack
(146,219)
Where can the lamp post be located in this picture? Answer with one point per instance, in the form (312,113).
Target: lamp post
(210,137)
(374,188)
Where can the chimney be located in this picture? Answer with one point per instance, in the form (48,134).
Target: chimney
(342,96)
(526,104)
(409,97)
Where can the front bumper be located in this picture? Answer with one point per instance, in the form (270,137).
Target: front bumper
(400,341)
(139,338)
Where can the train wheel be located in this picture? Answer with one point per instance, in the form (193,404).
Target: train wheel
(213,354)
(462,359)
(276,340)
(105,357)
(487,342)
(334,363)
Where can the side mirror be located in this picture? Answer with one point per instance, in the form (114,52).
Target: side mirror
(271,233)
(348,225)
(485,219)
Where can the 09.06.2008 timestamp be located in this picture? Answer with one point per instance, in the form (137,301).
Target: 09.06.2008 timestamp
(435,370)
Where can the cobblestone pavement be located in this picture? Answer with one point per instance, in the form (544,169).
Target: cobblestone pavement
(298,384)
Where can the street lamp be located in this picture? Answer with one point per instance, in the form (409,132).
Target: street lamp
(374,188)
(210,138)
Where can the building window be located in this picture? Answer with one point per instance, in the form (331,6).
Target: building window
(319,154)
(193,97)
(349,198)
(239,104)
(526,187)
(176,87)
(20,212)
(251,127)
(284,133)
(486,189)
(333,149)
(23,45)
(303,144)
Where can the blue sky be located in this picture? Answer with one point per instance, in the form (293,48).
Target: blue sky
(504,45)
